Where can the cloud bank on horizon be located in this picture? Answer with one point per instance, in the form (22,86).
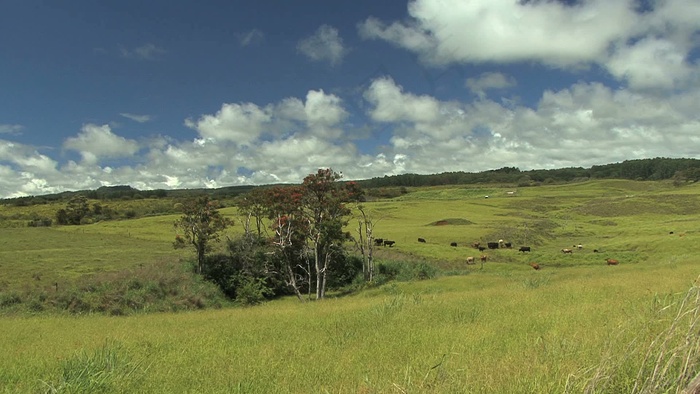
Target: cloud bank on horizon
(200,100)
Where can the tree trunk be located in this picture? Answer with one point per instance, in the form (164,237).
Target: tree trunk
(200,246)
(200,261)
(292,282)
(319,270)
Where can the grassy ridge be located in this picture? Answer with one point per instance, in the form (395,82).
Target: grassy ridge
(503,328)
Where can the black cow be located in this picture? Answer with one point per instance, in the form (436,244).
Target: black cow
(453,244)
(482,248)
(493,245)
(421,240)
(508,245)
(379,241)
(389,243)
(524,249)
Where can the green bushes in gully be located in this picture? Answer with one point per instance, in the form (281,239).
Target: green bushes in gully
(293,243)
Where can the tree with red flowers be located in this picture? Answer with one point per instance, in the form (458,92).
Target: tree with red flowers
(284,210)
(308,220)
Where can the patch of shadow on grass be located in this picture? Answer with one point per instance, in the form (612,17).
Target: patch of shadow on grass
(452,222)
(603,222)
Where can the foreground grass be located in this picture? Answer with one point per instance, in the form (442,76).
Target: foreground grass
(525,332)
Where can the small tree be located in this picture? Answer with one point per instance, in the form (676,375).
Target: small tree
(201,224)
(252,205)
(365,242)
(284,210)
(324,205)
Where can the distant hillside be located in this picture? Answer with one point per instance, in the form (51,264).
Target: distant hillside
(680,170)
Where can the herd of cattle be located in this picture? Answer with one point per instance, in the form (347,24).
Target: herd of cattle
(501,244)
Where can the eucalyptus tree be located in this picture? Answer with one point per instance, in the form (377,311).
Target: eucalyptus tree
(201,224)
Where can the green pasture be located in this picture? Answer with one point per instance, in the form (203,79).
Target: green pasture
(575,325)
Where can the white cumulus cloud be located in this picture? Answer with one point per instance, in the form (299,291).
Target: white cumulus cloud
(95,142)
(644,49)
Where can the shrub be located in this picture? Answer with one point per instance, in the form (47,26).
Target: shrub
(252,291)
(404,271)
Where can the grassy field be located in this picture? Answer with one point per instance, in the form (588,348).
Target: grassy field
(576,325)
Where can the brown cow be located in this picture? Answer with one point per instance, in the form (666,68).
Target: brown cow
(484,258)
(535,266)
(612,261)
(569,251)
(470,260)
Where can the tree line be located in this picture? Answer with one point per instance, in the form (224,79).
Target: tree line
(679,170)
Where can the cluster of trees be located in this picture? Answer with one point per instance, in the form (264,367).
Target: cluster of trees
(78,211)
(293,240)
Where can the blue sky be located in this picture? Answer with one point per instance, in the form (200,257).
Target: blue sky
(184,94)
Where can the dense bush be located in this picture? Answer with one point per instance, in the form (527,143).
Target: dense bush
(251,271)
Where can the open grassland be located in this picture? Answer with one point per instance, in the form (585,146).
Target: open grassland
(576,324)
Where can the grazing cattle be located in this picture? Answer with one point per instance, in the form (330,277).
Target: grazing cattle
(389,243)
(476,245)
(508,245)
(470,260)
(535,266)
(421,240)
(670,232)
(595,251)
(569,251)
(612,261)
(453,244)
(482,248)
(524,249)
(379,241)
(510,193)
(500,243)
(484,258)
(492,245)
(579,246)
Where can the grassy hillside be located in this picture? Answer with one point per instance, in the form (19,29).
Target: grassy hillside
(576,324)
